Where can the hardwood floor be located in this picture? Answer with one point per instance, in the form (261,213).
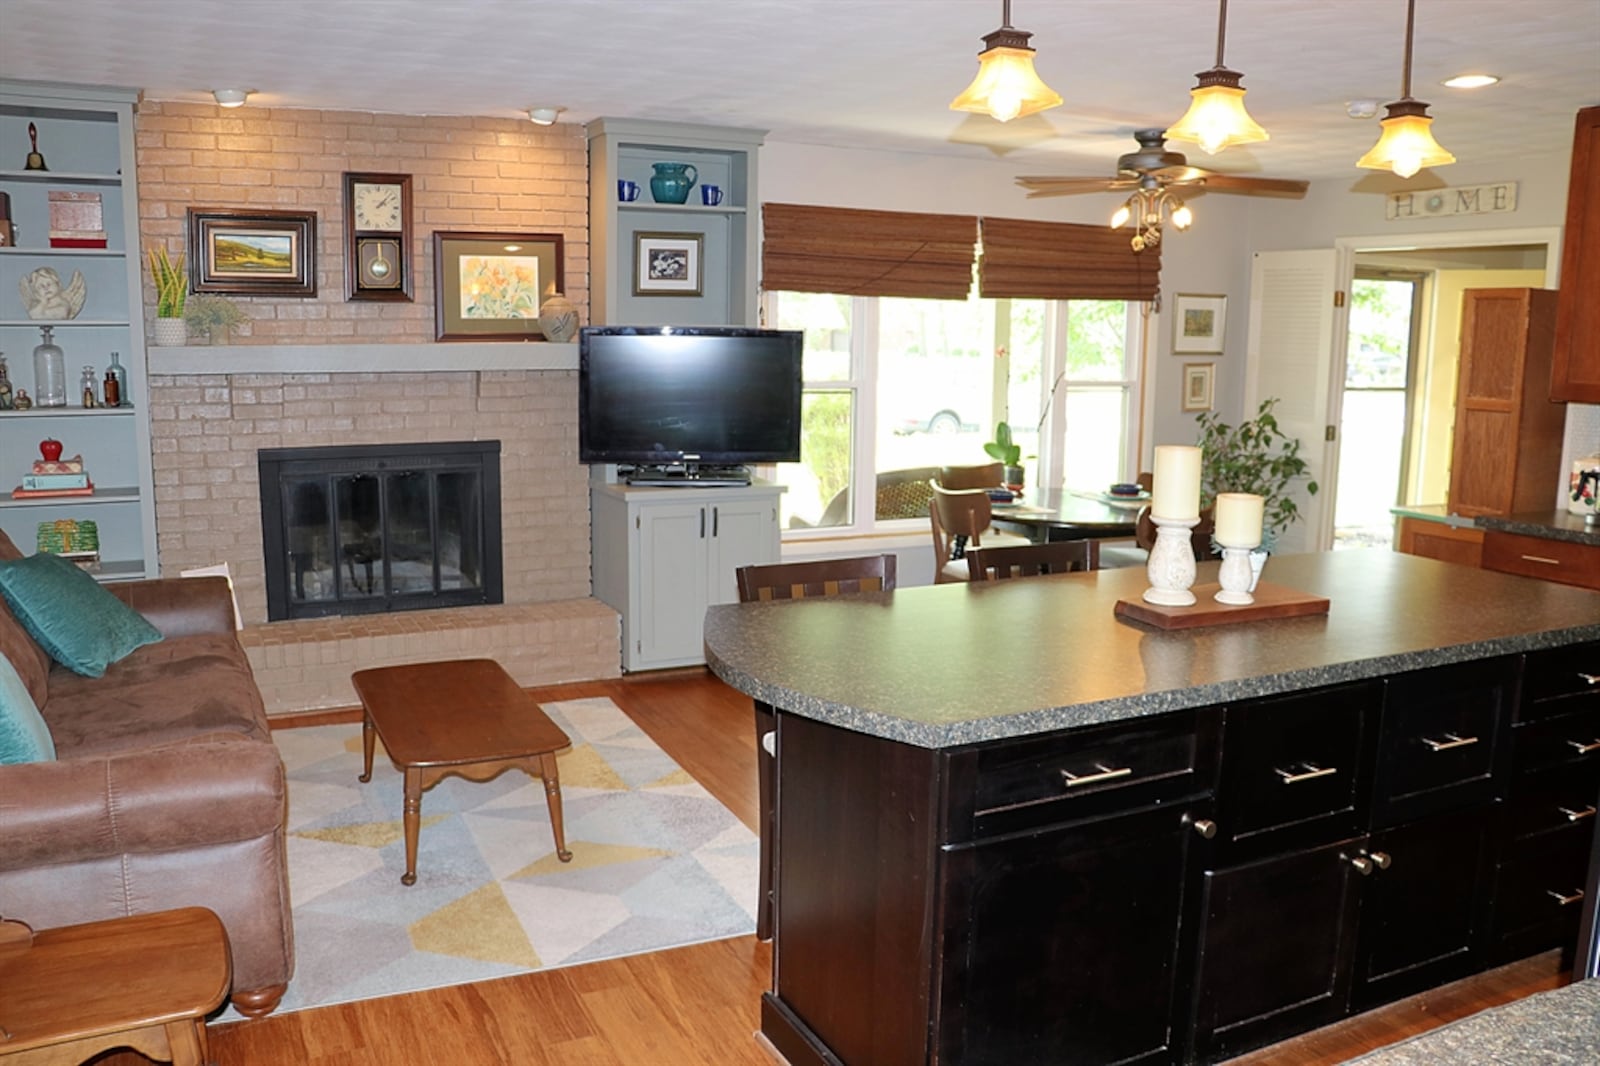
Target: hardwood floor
(697,1005)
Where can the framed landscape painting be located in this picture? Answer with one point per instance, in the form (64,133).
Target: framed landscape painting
(1199,386)
(253,253)
(1197,324)
(488,286)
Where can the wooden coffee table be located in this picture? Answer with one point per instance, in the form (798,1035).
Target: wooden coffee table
(145,982)
(461,716)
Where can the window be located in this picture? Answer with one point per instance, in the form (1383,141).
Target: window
(897,387)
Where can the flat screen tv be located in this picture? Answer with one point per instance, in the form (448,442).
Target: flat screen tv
(705,395)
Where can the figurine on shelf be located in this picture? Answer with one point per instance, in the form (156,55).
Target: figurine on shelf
(23,402)
(35,160)
(46,298)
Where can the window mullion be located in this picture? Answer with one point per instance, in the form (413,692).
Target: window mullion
(864,373)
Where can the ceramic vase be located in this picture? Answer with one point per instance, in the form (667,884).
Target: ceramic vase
(558,318)
(671,182)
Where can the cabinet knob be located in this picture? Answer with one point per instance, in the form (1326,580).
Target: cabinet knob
(1366,863)
(1204,826)
(1381,859)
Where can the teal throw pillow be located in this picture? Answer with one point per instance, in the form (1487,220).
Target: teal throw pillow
(23,735)
(79,624)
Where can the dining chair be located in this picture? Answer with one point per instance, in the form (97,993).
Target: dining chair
(983,476)
(1027,560)
(962,518)
(1199,537)
(794,581)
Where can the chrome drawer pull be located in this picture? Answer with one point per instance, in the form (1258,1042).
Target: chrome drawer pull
(1106,773)
(1311,771)
(1577,816)
(1542,559)
(1591,679)
(1584,749)
(1577,894)
(1450,741)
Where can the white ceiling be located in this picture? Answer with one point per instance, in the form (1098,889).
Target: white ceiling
(863,73)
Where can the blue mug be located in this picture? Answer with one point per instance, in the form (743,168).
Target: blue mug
(711,195)
(627,191)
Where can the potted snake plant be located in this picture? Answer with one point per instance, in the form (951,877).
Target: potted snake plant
(172,289)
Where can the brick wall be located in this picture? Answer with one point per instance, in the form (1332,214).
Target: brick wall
(467,173)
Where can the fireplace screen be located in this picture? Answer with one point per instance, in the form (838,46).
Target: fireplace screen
(351,530)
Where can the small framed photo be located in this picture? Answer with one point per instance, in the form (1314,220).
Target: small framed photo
(1199,386)
(667,264)
(1197,324)
(488,286)
(253,253)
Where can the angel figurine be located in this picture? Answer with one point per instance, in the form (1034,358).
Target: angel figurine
(45,297)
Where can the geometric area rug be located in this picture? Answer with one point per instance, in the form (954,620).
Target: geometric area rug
(657,863)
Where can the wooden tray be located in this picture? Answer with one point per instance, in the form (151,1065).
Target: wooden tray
(1272,601)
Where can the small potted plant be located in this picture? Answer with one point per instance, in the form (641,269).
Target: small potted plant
(1009,453)
(1254,456)
(214,316)
(172,289)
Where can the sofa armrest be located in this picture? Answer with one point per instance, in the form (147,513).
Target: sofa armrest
(212,789)
(180,607)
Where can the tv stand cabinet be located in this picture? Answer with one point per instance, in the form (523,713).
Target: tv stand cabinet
(662,555)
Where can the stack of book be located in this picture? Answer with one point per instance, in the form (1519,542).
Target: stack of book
(58,477)
(74,539)
(76,220)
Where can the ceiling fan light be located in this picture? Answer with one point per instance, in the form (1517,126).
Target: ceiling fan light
(1183,218)
(1120,218)
(1216,118)
(1006,86)
(1406,144)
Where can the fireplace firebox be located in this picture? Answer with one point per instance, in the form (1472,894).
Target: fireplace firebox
(359,529)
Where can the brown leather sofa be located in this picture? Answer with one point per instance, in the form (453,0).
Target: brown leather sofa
(167,790)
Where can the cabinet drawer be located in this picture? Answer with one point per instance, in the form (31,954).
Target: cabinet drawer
(1539,896)
(1554,804)
(1570,740)
(1036,782)
(1551,560)
(1439,746)
(1297,763)
(1561,681)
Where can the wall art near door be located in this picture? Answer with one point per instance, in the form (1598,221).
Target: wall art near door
(488,286)
(1197,324)
(253,253)
(1199,386)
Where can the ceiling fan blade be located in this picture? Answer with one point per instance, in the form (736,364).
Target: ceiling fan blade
(1050,186)
(1238,183)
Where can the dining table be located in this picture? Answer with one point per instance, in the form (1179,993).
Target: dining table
(1051,514)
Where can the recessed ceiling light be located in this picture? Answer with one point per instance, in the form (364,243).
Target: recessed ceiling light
(1469,81)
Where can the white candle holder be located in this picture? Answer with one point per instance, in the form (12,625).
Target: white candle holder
(1171,566)
(1235,575)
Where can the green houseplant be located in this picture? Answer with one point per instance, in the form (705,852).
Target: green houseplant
(1007,452)
(172,289)
(214,316)
(1254,456)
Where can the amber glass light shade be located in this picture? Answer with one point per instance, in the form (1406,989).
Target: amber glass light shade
(1407,144)
(1216,118)
(1006,86)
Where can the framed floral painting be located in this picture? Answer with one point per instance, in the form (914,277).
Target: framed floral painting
(488,286)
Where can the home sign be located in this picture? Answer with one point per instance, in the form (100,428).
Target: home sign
(1463,200)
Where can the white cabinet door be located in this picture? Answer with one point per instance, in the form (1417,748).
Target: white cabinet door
(672,554)
(743,532)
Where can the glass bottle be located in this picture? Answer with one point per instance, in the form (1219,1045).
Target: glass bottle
(49,372)
(89,386)
(118,371)
(112,390)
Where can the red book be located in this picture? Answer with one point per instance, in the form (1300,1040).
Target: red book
(77,242)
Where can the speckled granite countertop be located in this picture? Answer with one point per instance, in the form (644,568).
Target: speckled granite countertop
(1553,525)
(1556,1028)
(945,665)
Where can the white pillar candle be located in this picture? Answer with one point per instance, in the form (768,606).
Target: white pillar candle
(1239,519)
(1176,491)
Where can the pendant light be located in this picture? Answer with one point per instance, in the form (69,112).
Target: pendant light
(1006,86)
(1216,118)
(1407,144)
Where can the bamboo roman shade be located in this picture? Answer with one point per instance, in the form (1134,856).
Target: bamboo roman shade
(867,253)
(1064,261)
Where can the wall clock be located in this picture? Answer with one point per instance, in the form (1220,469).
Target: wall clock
(377,236)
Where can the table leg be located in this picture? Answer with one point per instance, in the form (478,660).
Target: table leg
(552,795)
(366,747)
(413,822)
(184,1043)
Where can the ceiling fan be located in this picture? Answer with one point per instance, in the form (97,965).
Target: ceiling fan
(1152,172)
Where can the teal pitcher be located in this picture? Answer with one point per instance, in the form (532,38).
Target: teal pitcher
(672,182)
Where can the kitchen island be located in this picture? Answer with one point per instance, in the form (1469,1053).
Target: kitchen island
(1014,828)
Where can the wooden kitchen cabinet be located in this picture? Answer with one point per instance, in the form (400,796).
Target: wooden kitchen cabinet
(1545,558)
(1434,540)
(1507,444)
(1575,367)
